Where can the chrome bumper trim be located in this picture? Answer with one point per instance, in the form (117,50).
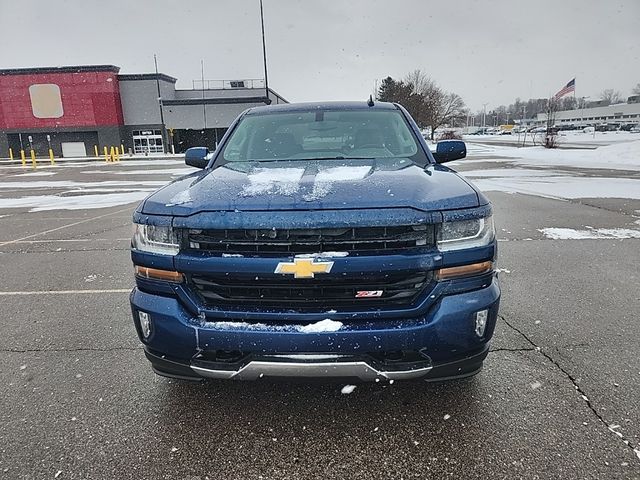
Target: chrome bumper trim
(358,369)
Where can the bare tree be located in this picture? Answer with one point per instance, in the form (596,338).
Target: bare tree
(636,90)
(449,110)
(430,105)
(610,96)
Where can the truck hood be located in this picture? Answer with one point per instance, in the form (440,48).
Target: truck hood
(314,185)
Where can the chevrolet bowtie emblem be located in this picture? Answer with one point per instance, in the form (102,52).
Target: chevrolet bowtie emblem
(303,268)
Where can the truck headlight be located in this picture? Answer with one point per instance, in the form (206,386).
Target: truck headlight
(155,239)
(476,232)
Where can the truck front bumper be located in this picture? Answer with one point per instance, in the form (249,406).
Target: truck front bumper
(440,344)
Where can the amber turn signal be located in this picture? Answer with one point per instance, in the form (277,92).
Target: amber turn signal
(450,273)
(156,274)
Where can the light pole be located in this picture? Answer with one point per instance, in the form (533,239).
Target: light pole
(484,116)
(164,128)
(264,57)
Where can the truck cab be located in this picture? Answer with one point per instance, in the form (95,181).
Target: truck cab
(318,240)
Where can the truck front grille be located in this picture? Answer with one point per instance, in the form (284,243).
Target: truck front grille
(294,241)
(309,294)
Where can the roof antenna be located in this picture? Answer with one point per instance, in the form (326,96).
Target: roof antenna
(370,101)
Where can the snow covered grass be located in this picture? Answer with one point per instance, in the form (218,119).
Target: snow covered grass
(620,156)
(558,185)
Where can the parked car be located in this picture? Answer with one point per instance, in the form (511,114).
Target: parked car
(318,240)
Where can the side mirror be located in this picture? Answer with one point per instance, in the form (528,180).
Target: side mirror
(449,150)
(197,157)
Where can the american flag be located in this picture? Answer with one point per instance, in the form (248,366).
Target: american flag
(568,88)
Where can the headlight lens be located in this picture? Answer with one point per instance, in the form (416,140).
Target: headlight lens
(477,232)
(155,239)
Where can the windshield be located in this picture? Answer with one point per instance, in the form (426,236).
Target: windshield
(322,134)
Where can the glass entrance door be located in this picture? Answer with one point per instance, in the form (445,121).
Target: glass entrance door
(146,142)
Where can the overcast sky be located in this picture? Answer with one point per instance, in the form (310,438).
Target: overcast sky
(486,51)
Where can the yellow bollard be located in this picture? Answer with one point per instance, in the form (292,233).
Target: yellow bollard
(10,153)
(95,149)
(24,158)
(106,154)
(33,158)
(117,159)
(112,156)
(53,162)
(121,149)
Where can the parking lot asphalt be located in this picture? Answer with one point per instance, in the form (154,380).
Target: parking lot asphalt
(558,397)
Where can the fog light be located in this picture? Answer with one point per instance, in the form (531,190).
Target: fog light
(145,324)
(481,322)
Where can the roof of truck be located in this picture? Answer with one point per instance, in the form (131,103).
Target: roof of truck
(309,106)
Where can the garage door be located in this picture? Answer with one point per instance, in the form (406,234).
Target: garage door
(73,149)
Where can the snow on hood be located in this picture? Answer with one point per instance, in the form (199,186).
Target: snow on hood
(279,181)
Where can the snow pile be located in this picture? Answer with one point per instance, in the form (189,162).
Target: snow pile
(325,325)
(279,181)
(589,234)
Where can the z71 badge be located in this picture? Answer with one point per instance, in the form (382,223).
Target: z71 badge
(369,293)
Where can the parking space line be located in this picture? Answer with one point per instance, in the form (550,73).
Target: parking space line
(74,240)
(2,244)
(65,292)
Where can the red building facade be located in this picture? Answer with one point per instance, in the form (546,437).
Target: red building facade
(64,107)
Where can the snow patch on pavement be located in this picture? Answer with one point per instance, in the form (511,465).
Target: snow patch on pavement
(40,184)
(150,171)
(589,233)
(42,203)
(35,174)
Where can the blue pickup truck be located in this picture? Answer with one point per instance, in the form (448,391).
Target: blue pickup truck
(318,240)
